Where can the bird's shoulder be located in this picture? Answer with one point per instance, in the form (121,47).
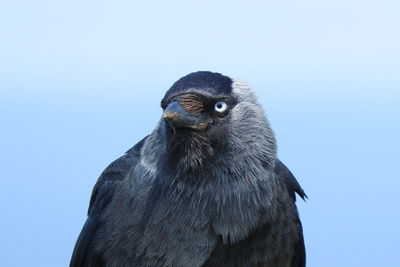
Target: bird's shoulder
(84,253)
(115,172)
(286,176)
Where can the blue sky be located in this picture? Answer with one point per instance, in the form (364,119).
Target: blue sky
(81,83)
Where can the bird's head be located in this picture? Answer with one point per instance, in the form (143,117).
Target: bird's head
(207,115)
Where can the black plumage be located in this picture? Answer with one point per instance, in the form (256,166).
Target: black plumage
(204,189)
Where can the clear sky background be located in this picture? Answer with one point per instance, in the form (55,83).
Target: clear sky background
(81,82)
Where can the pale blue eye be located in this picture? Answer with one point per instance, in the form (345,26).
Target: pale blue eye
(221,107)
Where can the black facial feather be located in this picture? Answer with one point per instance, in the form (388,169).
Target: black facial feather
(188,149)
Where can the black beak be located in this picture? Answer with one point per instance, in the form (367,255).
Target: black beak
(180,118)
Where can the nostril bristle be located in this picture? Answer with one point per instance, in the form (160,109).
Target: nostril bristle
(191,103)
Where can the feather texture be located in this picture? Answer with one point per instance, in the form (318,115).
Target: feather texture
(191,103)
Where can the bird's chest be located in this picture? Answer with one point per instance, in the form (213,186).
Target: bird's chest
(164,230)
(192,238)
(182,227)
(181,236)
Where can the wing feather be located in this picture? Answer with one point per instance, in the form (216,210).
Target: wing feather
(102,194)
(293,186)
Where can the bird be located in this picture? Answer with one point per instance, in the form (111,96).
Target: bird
(204,189)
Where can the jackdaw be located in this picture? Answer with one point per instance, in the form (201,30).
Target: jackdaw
(205,188)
